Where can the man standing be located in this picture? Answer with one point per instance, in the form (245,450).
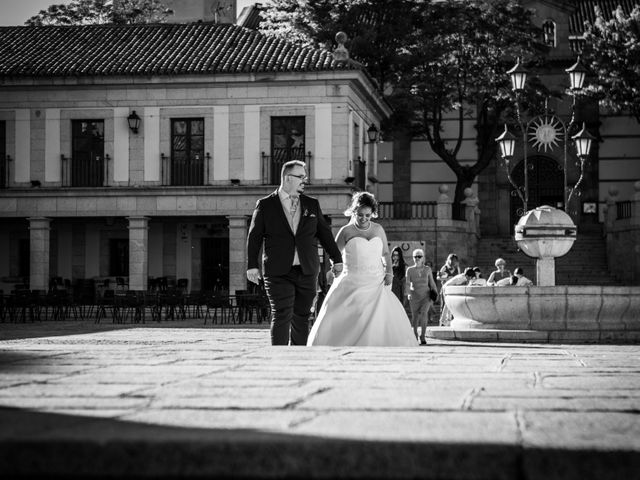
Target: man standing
(287,225)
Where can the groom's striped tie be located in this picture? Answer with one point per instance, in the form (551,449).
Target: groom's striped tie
(294,205)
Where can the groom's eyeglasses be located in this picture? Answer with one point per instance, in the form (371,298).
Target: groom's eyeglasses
(417,256)
(299,177)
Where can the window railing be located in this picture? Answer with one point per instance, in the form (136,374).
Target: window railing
(272,164)
(407,210)
(623,209)
(90,173)
(191,172)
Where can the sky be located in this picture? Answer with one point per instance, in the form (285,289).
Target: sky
(15,12)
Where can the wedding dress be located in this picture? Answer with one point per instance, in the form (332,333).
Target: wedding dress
(359,309)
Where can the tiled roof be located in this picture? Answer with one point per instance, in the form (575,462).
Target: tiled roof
(152,49)
(585,11)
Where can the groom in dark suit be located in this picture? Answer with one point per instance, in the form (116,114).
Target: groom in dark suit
(287,226)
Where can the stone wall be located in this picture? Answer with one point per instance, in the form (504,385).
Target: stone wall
(623,237)
(441,235)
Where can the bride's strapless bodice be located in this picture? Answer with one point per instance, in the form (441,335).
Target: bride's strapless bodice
(362,256)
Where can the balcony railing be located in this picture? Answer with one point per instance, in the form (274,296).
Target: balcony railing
(272,164)
(191,172)
(623,209)
(407,210)
(87,173)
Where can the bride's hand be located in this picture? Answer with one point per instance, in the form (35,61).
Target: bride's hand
(388,278)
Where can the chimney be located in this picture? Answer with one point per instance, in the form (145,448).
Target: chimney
(187,11)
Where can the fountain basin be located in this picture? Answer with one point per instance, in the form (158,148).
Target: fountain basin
(543,313)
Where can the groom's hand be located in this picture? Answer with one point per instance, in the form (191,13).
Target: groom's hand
(253,275)
(336,269)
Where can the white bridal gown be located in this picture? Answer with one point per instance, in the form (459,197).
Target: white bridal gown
(359,309)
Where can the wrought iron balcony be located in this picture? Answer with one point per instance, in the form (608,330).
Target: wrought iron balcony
(407,210)
(272,164)
(185,172)
(90,172)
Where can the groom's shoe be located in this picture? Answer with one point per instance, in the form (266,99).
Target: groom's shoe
(423,341)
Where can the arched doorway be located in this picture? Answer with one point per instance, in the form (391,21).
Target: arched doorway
(546,184)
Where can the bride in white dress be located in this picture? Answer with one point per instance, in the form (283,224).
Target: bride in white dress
(360,308)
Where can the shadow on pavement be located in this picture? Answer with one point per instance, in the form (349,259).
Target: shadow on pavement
(48,445)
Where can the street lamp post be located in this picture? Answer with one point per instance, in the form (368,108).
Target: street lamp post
(545,131)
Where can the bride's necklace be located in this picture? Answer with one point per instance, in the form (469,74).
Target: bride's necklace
(362,229)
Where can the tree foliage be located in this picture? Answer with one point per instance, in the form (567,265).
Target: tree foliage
(612,52)
(432,59)
(88,12)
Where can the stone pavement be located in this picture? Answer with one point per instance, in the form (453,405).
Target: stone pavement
(181,401)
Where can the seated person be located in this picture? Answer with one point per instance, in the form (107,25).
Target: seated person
(461,278)
(519,280)
(477,281)
(500,274)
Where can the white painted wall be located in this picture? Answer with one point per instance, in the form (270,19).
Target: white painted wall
(52,162)
(324,144)
(251,142)
(151,130)
(22,161)
(220,143)
(121,144)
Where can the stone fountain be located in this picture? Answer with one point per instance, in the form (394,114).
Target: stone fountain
(545,312)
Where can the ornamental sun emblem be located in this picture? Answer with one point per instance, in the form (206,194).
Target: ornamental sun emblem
(545,132)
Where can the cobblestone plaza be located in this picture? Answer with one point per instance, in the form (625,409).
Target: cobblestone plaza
(179,400)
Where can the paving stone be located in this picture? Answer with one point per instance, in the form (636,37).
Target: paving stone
(182,401)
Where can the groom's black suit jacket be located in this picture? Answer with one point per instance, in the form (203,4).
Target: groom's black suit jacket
(270,230)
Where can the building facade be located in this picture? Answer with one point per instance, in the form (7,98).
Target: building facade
(413,173)
(137,152)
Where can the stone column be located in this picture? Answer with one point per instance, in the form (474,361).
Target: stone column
(138,252)
(546,272)
(471,203)
(444,204)
(238,229)
(39,233)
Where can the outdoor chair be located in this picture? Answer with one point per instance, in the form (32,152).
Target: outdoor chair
(106,303)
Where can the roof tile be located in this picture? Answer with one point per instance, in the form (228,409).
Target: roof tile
(152,49)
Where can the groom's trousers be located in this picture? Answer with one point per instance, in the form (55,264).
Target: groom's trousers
(291,297)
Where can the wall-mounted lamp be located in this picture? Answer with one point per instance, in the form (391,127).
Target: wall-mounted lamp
(134,121)
(349,180)
(235,181)
(372,133)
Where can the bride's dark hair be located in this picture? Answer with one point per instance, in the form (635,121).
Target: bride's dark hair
(363,199)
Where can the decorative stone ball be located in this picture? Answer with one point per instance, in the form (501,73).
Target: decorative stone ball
(443,188)
(468,192)
(545,232)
